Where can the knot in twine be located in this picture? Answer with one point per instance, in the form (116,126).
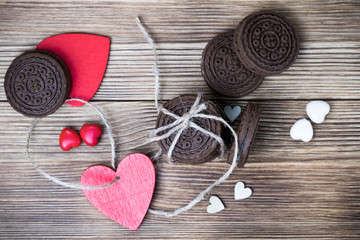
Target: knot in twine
(182,123)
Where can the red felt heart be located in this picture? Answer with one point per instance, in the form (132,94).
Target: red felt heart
(90,134)
(127,201)
(86,57)
(69,139)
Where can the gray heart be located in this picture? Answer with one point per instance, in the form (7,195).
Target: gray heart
(232,112)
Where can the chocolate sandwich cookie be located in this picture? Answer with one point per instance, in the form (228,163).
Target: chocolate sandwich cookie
(246,132)
(266,42)
(223,71)
(193,146)
(37,83)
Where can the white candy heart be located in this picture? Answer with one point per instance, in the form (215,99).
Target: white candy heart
(232,112)
(317,110)
(215,205)
(302,130)
(240,192)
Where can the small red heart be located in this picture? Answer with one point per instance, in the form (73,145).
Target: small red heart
(86,56)
(69,139)
(90,134)
(126,201)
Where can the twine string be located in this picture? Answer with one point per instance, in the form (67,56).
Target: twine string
(151,41)
(202,194)
(178,126)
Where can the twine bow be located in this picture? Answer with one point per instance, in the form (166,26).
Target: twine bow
(182,123)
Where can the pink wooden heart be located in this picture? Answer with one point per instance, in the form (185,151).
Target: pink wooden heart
(127,201)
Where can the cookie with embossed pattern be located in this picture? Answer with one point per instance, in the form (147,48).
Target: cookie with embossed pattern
(193,146)
(266,42)
(223,71)
(37,83)
(246,132)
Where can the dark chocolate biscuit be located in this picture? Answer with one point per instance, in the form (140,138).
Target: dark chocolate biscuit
(37,83)
(266,42)
(223,71)
(246,132)
(193,146)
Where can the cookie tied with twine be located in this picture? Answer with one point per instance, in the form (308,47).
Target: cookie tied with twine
(190,139)
(183,123)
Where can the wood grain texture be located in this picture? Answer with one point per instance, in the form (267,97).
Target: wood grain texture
(300,190)
(328,59)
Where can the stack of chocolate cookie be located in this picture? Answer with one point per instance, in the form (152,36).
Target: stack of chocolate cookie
(193,146)
(234,63)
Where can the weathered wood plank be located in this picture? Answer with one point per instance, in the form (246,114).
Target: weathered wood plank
(335,139)
(329,57)
(328,71)
(301,184)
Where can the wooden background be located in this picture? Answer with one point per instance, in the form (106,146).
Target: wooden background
(301,190)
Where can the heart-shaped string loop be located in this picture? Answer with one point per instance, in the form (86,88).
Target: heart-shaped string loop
(57,180)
